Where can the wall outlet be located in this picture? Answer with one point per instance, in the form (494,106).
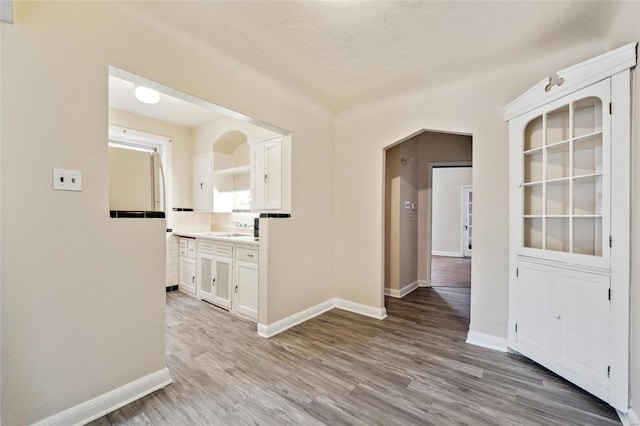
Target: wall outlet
(67,180)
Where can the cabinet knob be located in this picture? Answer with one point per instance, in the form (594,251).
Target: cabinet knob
(557,316)
(236,288)
(213,281)
(265,178)
(193,280)
(201,186)
(249,255)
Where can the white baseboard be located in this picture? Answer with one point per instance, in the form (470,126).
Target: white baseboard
(99,406)
(402,292)
(447,253)
(487,341)
(630,418)
(358,308)
(270,330)
(423,283)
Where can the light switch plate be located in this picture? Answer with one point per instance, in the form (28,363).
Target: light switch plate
(67,180)
(407,204)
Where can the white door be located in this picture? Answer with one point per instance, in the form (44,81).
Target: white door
(222,279)
(246,290)
(202,188)
(535,322)
(205,277)
(187,279)
(273,175)
(467,212)
(584,337)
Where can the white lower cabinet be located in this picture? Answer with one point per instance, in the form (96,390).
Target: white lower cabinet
(555,305)
(215,272)
(245,298)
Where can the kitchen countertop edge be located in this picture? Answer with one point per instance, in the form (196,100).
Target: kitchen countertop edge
(207,236)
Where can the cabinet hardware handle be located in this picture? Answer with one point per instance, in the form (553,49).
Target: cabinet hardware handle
(249,255)
(265,178)
(201,187)
(236,288)
(213,281)
(193,280)
(557,316)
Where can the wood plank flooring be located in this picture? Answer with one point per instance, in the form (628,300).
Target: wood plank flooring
(450,271)
(413,368)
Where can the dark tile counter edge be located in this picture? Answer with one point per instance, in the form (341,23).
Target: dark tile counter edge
(121,214)
(274,215)
(180,209)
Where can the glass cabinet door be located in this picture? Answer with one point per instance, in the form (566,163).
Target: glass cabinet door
(565,175)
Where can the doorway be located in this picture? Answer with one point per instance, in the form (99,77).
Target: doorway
(408,206)
(451,226)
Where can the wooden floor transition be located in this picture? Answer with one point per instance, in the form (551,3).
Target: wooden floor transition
(450,271)
(413,368)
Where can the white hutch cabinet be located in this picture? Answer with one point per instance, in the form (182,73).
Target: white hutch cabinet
(569,224)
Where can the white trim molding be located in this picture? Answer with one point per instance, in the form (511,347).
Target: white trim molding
(402,292)
(446,253)
(488,341)
(630,418)
(99,406)
(270,330)
(358,308)
(573,78)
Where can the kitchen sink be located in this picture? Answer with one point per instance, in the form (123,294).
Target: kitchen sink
(227,234)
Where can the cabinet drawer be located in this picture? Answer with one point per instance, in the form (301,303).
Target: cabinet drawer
(184,252)
(247,255)
(183,243)
(215,248)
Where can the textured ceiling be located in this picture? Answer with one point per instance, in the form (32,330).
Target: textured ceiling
(348,52)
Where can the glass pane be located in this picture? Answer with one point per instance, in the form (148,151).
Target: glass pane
(533,232)
(533,167)
(558,125)
(533,134)
(587,195)
(558,198)
(587,156)
(533,200)
(587,235)
(558,234)
(587,116)
(558,161)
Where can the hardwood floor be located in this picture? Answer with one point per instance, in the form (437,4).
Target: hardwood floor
(450,271)
(413,368)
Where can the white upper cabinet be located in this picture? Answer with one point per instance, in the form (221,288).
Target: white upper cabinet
(203,182)
(266,174)
(564,181)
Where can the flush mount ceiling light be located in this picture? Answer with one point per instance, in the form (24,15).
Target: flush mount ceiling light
(146,95)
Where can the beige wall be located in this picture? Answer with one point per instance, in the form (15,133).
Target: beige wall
(82,308)
(181,151)
(205,136)
(447,213)
(401,224)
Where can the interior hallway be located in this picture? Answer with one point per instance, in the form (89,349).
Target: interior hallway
(413,368)
(450,271)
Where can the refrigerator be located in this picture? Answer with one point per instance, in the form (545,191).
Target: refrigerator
(136,180)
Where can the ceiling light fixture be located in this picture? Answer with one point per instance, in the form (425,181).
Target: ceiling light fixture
(146,95)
